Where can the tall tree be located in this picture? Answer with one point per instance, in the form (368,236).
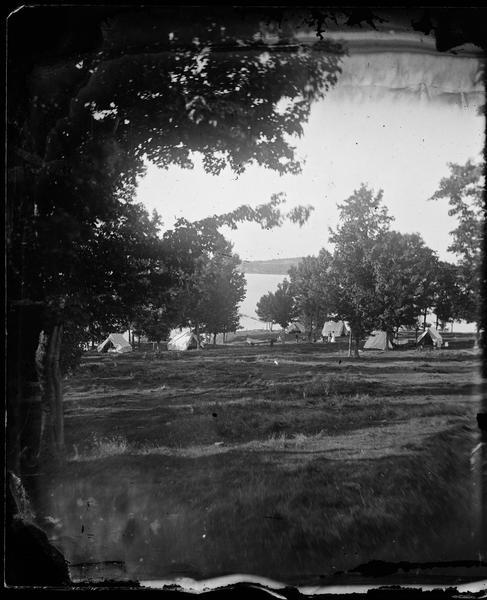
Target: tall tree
(448,298)
(153,322)
(223,288)
(309,288)
(463,189)
(264,308)
(277,307)
(404,274)
(351,277)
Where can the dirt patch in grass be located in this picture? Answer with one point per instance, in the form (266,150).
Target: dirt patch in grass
(397,438)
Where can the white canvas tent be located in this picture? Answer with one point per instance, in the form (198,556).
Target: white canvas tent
(430,337)
(335,328)
(115,342)
(183,340)
(295,327)
(377,340)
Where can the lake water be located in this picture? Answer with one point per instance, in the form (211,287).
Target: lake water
(257,286)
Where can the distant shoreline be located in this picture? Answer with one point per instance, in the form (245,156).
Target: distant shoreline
(275,266)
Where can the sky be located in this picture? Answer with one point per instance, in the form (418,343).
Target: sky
(387,124)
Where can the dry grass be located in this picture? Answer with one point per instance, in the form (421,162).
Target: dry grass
(286,469)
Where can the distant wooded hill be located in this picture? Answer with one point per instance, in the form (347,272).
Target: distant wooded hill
(276,266)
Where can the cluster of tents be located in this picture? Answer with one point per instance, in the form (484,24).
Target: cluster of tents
(184,339)
(377,340)
(179,340)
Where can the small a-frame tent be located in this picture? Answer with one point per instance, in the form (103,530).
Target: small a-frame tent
(115,342)
(378,340)
(335,328)
(182,341)
(295,327)
(430,337)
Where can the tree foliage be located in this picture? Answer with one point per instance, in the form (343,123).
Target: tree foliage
(310,290)
(89,102)
(404,274)
(223,288)
(351,281)
(277,307)
(448,297)
(378,278)
(463,189)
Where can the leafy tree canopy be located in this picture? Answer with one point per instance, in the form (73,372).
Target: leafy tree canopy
(277,307)
(89,103)
(463,189)
(309,288)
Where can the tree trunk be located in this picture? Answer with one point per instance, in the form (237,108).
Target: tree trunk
(23,389)
(389,339)
(356,343)
(49,373)
(353,345)
(58,394)
(476,343)
(214,339)
(197,333)
(350,344)
(424,320)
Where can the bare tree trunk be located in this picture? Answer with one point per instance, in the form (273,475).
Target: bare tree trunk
(350,344)
(214,339)
(197,333)
(389,339)
(58,393)
(52,416)
(356,343)
(23,389)
(476,343)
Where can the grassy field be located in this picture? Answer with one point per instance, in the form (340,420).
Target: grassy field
(290,461)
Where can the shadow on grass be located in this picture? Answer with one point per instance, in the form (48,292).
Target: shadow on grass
(239,513)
